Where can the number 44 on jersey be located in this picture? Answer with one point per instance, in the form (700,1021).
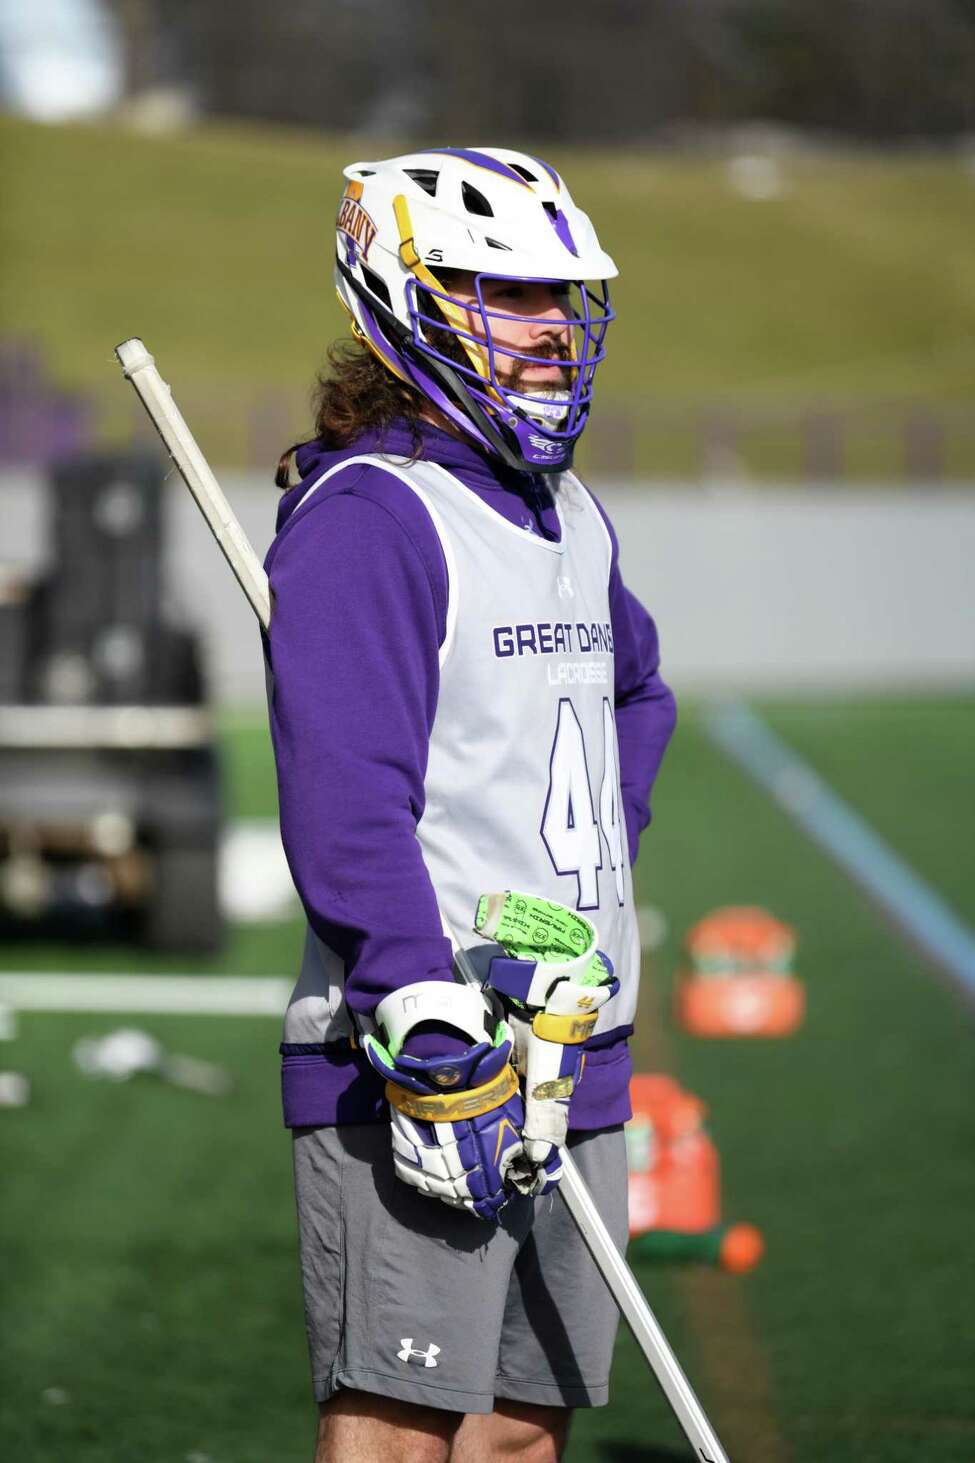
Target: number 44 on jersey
(570,830)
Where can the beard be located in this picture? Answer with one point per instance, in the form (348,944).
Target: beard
(544,402)
(547,402)
(514,379)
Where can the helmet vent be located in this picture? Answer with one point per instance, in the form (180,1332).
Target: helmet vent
(523,172)
(425,178)
(475,202)
(377,286)
(366,172)
(551,210)
(497,244)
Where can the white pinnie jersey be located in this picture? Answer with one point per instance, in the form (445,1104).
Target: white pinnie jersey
(522,786)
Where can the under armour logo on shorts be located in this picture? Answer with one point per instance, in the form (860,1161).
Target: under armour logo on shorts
(408,1352)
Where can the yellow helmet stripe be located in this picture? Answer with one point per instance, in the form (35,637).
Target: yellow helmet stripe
(407,248)
(455,314)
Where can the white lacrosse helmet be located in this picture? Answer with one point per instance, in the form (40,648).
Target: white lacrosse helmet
(497,214)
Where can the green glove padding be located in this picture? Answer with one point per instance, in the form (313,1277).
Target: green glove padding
(530,928)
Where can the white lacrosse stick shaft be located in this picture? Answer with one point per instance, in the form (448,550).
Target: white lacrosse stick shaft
(622,1283)
(140,369)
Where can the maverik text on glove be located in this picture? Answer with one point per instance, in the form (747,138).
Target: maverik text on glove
(455,1107)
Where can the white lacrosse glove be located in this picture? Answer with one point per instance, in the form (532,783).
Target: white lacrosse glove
(554,982)
(456,1114)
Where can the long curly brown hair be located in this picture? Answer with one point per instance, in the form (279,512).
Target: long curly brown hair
(356,394)
(359,393)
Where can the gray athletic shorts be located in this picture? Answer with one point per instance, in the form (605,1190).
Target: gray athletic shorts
(409,1298)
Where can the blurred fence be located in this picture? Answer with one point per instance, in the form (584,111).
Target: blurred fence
(770,589)
(612,73)
(801,440)
(795,440)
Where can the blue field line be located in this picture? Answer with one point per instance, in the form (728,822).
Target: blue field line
(847,837)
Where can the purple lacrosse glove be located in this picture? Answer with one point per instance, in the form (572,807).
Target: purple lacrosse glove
(455,1107)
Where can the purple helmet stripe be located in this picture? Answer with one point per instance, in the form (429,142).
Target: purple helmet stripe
(551,172)
(561,226)
(480,160)
(440,399)
(412,372)
(381,345)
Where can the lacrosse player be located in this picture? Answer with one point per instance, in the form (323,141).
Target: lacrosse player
(467,716)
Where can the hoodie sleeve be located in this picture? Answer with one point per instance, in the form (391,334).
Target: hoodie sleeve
(646,711)
(359,594)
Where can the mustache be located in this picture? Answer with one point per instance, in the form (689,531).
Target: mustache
(552,350)
(549,351)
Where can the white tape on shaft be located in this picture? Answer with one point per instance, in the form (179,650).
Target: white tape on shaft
(140,368)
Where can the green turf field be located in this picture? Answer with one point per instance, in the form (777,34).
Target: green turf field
(856,286)
(147,1239)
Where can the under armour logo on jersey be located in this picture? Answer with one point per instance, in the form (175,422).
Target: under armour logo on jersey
(409,1351)
(564,586)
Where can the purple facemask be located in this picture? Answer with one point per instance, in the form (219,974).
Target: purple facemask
(533,428)
(546,421)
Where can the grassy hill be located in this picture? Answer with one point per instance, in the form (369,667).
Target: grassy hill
(855,285)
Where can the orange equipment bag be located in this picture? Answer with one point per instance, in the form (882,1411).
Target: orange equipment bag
(674,1172)
(675,1183)
(738,980)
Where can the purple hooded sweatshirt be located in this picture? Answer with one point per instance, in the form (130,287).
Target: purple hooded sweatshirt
(359,592)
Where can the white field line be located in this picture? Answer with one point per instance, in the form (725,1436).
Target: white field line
(917,909)
(184,995)
(157,995)
(652,924)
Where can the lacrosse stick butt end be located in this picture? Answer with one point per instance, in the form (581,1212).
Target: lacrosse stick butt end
(133,356)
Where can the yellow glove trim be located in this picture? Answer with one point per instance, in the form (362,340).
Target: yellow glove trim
(569,1030)
(456,1106)
(516,1136)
